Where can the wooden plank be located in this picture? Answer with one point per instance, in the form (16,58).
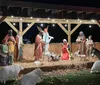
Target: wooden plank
(75,28)
(63,28)
(28,28)
(14,28)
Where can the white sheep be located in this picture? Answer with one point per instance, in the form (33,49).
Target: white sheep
(7,72)
(96,67)
(32,77)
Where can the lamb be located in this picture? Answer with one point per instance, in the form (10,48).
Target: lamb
(32,77)
(9,72)
(96,67)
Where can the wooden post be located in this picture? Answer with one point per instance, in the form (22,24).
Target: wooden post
(14,28)
(28,28)
(21,29)
(69,35)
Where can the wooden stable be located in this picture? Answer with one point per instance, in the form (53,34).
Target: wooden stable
(31,20)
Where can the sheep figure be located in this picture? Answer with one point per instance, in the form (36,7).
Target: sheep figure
(96,67)
(32,78)
(9,72)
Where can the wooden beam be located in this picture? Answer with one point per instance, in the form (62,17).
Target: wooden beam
(75,28)
(28,28)
(63,28)
(45,20)
(9,23)
(98,23)
(2,18)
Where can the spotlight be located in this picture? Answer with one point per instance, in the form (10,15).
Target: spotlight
(41,25)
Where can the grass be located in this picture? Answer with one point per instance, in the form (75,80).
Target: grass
(82,77)
(79,78)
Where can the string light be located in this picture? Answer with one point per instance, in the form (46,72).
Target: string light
(53,20)
(21,19)
(38,20)
(31,17)
(90,26)
(66,20)
(65,25)
(28,24)
(53,25)
(41,25)
(12,16)
(14,24)
(93,20)
(78,19)
(48,18)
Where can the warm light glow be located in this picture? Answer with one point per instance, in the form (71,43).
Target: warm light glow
(78,19)
(65,25)
(90,26)
(12,16)
(41,25)
(38,20)
(53,20)
(28,24)
(53,25)
(14,24)
(93,20)
(31,17)
(21,19)
(48,18)
(66,20)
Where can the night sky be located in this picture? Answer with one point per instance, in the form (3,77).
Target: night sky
(56,31)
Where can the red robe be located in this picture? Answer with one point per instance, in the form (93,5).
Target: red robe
(38,47)
(65,54)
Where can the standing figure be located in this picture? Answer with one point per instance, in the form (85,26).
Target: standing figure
(89,45)
(46,38)
(81,40)
(38,46)
(64,52)
(19,43)
(11,45)
(4,54)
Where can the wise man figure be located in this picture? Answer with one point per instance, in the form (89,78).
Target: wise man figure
(89,45)
(19,43)
(81,40)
